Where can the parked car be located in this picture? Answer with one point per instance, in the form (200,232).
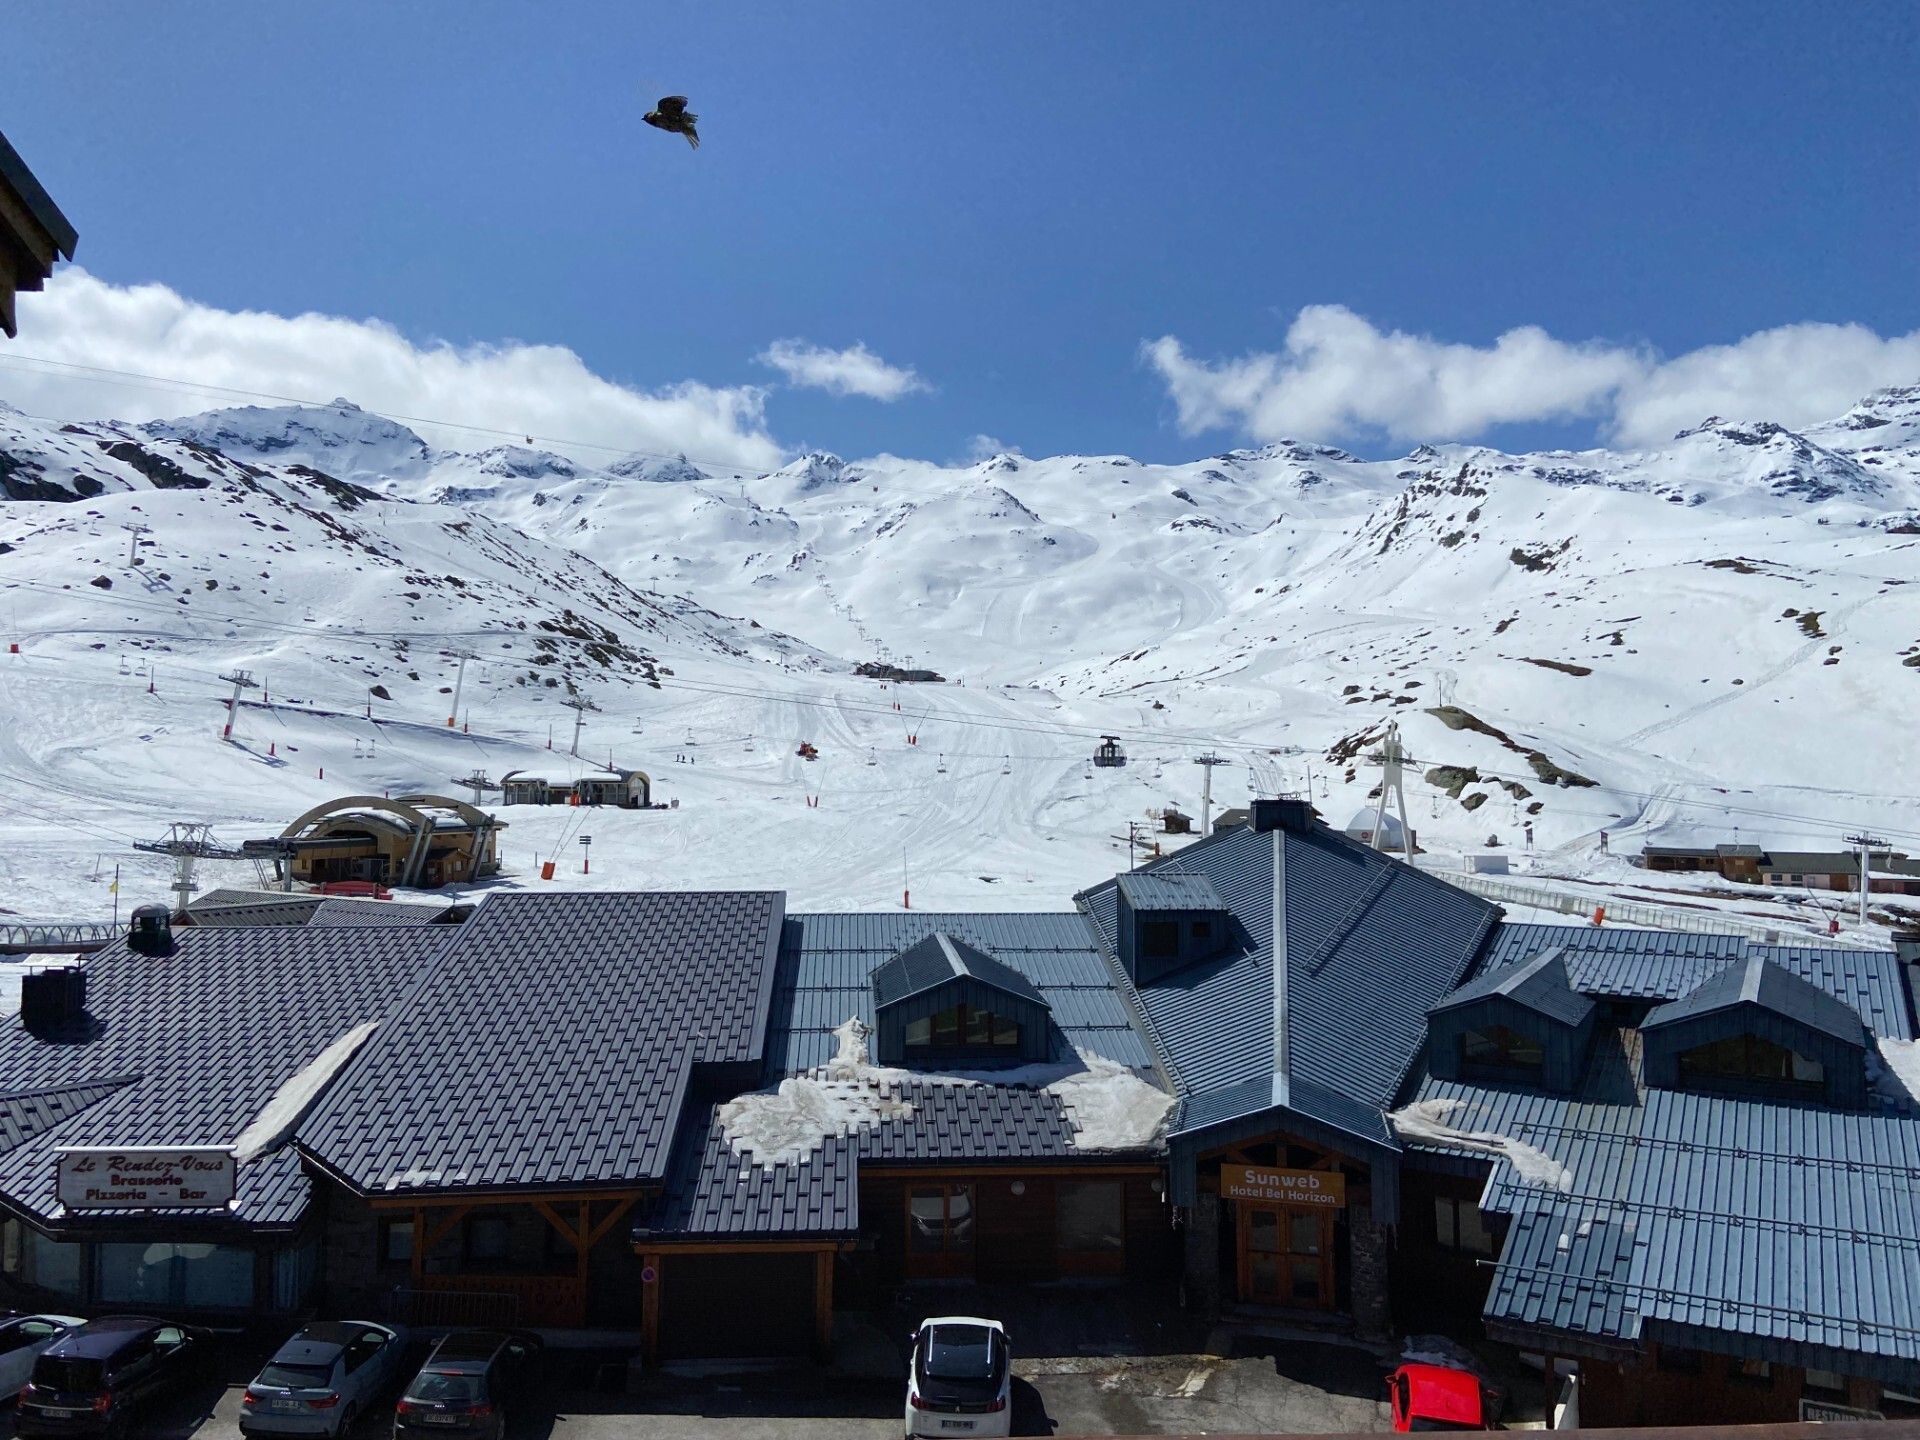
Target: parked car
(1437,1397)
(22,1338)
(323,1379)
(98,1377)
(467,1385)
(960,1379)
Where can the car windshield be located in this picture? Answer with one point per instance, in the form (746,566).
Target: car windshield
(961,1352)
(295,1377)
(451,1386)
(70,1373)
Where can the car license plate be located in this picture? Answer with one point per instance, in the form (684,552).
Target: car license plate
(956,1424)
(433,1419)
(63,1414)
(287,1405)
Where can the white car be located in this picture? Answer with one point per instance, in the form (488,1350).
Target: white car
(323,1379)
(22,1338)
(960,1380)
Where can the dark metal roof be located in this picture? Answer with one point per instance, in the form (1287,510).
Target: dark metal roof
(34,195)
(1662,965)
(713,1191)
(553,1045)
(1748,1223)
(1756,981)
(189,1048)
(826,962)
(336,910)
(930,963)
(286,910)
(1168,890)
(26,1114)
(1540,984)
(1366,936)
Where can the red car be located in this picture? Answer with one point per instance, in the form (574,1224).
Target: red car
(1433,1397)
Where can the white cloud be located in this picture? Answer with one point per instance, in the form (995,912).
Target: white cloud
(1339,376)
(855,370)
(545,391)
(985,447)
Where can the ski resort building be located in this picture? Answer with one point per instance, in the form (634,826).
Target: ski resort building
(33,233)
(1888,871)
(419,841)
(1280,1078)
(629,789)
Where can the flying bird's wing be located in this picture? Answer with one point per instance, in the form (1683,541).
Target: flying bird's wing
(672,106)
(693,136)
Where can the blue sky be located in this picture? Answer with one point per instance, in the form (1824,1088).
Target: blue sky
(1010,199)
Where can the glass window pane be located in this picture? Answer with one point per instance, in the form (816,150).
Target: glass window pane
(214,1276)
(946,1027)
(1005,1032)
(927,1220)
(920,1032)
(1089,1216)
(979,1027)
(1443,1233)
(32,1259)
(960,1218)
(1306,1279)
(1808,1072)
(1304,1236)
(1263,1231)
(1475,1238)
(1266,1276)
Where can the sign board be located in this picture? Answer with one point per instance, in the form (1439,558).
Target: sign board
(123,1177)
(1827,1410)
(1314,1189)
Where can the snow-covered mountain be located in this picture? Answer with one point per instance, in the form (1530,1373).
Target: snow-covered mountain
(1585,639)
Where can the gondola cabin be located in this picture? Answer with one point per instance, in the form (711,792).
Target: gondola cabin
(1108,752)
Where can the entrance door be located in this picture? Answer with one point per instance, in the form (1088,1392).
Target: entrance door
(1286,1256)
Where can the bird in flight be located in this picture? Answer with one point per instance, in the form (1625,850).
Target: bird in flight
(671,114)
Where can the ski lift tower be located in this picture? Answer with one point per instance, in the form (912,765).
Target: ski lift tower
(240,680)
(1391,757)
(188,844)
(479,784)
(580,705)
(1208,760)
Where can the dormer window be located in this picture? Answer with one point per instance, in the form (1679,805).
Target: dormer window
(1740,1061)
(943,1001)
(1496,1048)
(963,1027)
(1160,939)
(1166,920)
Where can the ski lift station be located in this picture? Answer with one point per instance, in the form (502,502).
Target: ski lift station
(628,789)
(418,841)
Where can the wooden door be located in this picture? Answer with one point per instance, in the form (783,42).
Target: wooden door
(1286,1256)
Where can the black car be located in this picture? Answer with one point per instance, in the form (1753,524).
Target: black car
(96,1379)
(466,1385)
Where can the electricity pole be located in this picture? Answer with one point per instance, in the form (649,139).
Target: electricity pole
(1866,841)
(1207,762)
(459,679)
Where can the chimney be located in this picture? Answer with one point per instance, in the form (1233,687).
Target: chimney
(1289,812)
(152,932)
(53,1000)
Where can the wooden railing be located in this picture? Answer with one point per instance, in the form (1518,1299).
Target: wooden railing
(559,1300)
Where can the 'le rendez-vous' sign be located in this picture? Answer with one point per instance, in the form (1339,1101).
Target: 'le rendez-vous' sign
(1313,1188)
(118,1177)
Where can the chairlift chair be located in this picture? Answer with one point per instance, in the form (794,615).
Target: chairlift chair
(941,768)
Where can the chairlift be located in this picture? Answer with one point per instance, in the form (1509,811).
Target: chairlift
(749,747)
(690,739)
(941,768)
(1007,767)
(636,724)
(356,748)
(123,665)
(872,758)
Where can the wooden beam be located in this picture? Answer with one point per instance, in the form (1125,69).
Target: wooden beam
(445,1227)
(586,1245)
(599,1232)
(553,1218)
(823,1305)
(744,1247)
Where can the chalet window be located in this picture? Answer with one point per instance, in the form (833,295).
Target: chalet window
(1090,1220)
(1457,1226)
(396,1240)
(1159,939)
(1757,1373)
(486,1240)
(1498,1048)
(1203,929)
(940,1230)
(1748,1059)
(187,1276)
(963,1027)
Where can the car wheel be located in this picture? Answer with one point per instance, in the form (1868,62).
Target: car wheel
(347,1419)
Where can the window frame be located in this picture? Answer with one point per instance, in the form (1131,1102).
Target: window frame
(1503,1039)
(1101,1259)
(946,1031)
(386,1227)
(1748,1078)
(1158,940)
(948,1259)
(1447,1237)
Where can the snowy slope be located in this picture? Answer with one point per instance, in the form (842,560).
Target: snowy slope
(1714,633)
